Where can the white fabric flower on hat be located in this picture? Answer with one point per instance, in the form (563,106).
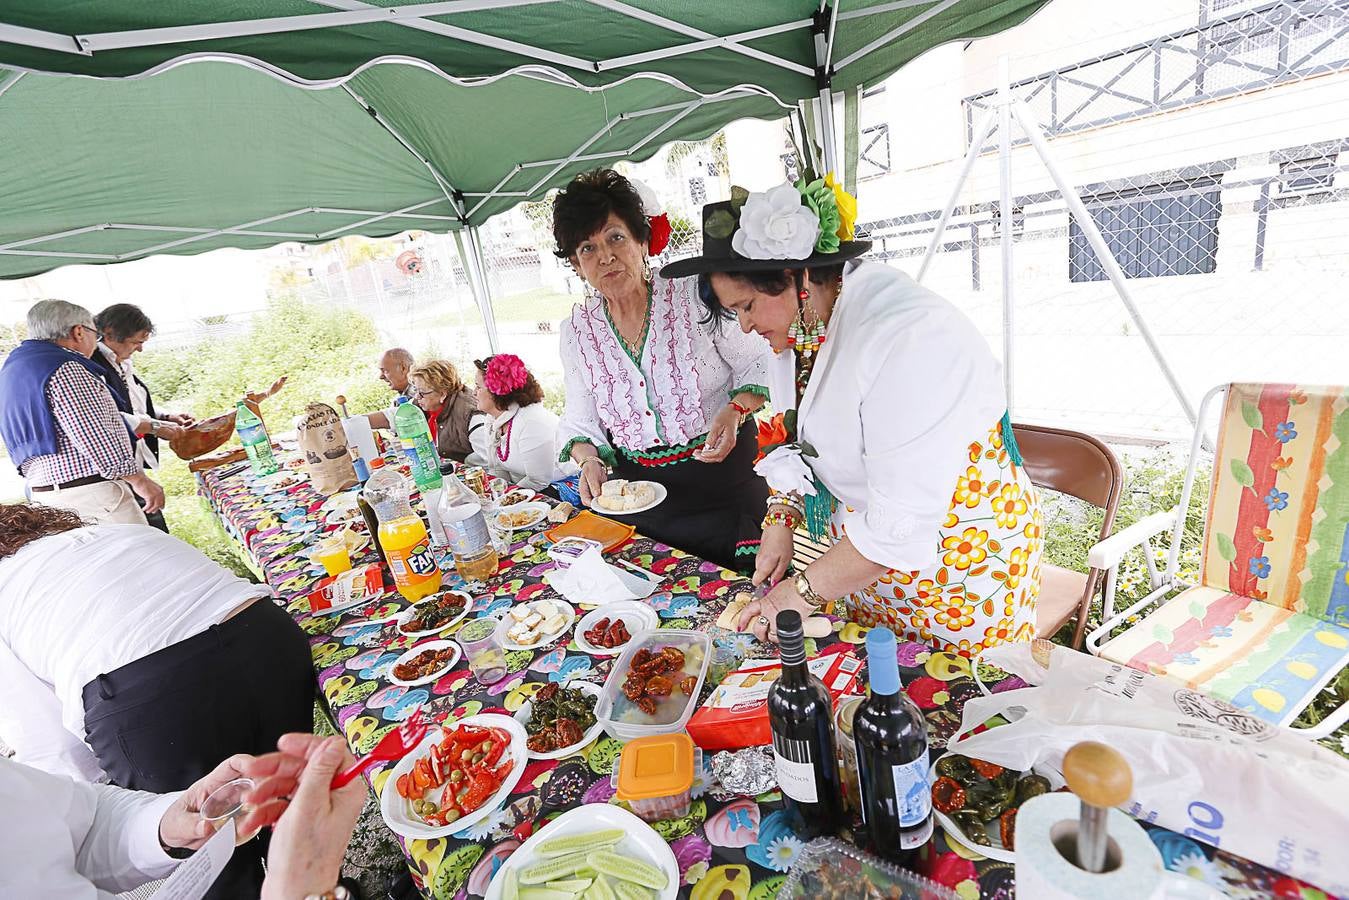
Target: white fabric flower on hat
(651,205)
(786,471)
(775,225)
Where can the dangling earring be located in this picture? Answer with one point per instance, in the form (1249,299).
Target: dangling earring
(805,337)
(646,269)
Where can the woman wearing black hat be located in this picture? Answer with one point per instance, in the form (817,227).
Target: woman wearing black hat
(896,440)
(656,390)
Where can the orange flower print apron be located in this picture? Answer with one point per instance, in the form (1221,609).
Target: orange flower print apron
(983,588)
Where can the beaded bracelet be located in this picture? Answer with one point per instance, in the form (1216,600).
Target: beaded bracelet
(780,517)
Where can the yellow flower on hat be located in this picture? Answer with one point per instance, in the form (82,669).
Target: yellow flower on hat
(847,208)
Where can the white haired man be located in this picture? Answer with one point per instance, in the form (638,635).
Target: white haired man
(61,426)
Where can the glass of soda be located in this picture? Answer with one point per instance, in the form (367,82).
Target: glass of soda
(227,802)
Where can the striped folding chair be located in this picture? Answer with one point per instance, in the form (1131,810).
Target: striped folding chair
(1267,627)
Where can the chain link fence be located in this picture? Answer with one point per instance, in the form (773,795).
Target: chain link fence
(1212,156)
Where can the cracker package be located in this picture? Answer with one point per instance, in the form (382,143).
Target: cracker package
(323,442)
(736,713)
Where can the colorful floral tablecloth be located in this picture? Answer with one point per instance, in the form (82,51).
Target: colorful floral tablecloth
(727,847)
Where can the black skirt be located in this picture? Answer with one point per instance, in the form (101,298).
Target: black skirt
(712,510)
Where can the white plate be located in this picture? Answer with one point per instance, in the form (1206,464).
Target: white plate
(637,616)
(661,494)
(537,513)
(417,651)
(641,842)
(520,495)
(410,613)
(397,812)
(546,639)
(340,508)
(523,714)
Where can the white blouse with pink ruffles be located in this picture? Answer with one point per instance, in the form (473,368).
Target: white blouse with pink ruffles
(689,370)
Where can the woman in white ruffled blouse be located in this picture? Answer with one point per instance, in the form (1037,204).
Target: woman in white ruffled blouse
(897,445)
(656,389)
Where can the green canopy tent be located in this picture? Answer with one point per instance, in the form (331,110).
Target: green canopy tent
(309,119)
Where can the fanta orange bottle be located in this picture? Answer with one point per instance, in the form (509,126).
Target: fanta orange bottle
(407,546)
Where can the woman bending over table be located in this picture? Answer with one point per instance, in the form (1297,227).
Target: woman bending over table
(519,441)
(126,652)
(900,451)
(656,390)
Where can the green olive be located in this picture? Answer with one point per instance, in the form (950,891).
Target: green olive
(477,758)
(487,746)
(456,776)
(466,755)
(452,815)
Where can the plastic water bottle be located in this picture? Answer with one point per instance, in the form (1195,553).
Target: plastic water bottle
(466,532)
(409,423)
(402,534)
(253,435)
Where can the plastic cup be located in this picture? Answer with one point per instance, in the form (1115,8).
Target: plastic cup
(332,554)
(227,802)
(725,660)
(486,655)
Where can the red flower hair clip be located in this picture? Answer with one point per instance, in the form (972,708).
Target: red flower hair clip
(506,374)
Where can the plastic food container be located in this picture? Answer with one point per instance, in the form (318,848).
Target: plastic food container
(622,718)
(830,869)
(655,776)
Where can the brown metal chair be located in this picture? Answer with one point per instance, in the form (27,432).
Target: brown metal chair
(1079,465)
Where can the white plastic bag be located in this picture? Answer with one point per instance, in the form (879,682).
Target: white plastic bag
(1201,766)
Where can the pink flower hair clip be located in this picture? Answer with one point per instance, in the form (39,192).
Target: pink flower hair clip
(506,373)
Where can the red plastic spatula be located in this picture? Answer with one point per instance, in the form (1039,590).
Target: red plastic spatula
(395,745)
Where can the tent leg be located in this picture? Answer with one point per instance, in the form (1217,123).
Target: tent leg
(825,108)
(1107,259)
(1005,219)
(976,145)
(470,254)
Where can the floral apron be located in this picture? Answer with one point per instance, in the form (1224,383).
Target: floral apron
(983,588)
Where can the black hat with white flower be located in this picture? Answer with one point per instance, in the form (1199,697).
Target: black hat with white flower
(790,226)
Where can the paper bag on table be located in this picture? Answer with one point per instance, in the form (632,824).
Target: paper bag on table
(1201,767)
(590,581)
(323,442)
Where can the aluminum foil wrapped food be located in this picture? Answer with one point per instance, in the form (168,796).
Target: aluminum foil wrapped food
(748,772)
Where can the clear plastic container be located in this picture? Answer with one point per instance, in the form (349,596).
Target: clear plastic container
(654,776)
(622,717)
(831,869)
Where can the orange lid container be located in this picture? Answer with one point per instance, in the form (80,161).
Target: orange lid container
(657,766)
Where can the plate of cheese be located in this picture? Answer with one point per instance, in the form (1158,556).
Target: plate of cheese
(537,624)
(622,498)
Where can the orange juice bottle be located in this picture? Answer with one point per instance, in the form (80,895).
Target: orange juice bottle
(407,546)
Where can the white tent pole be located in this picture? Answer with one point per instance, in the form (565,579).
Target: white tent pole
(44,40)
(824,116)
(1102,250)
(727,42)
(1005,218)
(9,81)
(976,146)
(488,314)
(891,35)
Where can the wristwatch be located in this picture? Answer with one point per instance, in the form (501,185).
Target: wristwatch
(807,593)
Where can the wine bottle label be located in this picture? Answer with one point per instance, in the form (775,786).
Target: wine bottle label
(913,791)
(910,840)
(795,769)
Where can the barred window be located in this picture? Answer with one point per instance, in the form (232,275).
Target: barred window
(1313,175)
(1154,231)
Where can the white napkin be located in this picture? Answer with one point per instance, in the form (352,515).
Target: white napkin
(593,582)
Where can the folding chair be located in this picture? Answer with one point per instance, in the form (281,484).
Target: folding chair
(1267,627)
(1079,465)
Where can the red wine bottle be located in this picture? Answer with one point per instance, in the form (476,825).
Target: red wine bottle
(801,718)
(892,765)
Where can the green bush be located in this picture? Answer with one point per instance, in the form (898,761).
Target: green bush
(324,351)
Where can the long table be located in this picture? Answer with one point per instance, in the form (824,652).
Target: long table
(728,847)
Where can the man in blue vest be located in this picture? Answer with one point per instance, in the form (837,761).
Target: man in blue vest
(61,426)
